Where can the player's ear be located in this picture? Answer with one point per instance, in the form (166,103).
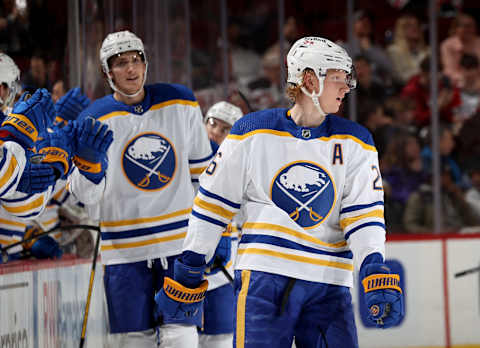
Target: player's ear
(308,81)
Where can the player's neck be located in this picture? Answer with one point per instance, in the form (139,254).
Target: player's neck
(129,100)
(305,114)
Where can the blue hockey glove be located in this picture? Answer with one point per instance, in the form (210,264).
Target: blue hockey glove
(43,247)
(30,117)
(222,254)
(180,301)
(71,105)
(46,248)
(93,141)
(382,292)
(57,148)
(36,177)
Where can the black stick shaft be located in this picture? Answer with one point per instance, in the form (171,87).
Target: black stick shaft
(90,290)
(467,271)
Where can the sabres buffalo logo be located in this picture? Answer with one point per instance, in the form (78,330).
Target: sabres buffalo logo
(149,161)
(305,191)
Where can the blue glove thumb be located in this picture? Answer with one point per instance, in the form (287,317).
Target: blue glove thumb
(46,247)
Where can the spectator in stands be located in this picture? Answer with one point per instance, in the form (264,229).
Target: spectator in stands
(363,44)
(456,213)
(58,90)
(371,114)
(472,195)
(402,174)
(37,76)
(369,87)
(446,147)
(408,48)
(14,36)
(468,141)
(418,88)
(463,39)
(469,92)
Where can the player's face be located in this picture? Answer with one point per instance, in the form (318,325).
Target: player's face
(334,89)
(127,71)
(217,129)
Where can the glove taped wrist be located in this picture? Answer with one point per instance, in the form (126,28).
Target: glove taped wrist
(87,166)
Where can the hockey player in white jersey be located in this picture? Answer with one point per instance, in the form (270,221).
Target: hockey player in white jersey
(308,185)
(143,201)
(217,330)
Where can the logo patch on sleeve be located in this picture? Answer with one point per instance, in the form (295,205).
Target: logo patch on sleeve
(149,161)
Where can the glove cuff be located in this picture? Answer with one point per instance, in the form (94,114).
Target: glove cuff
(381,282)
(56,155)
(23,125)
(180,293)
(87,166)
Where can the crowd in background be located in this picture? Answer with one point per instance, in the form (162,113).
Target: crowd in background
(392,59)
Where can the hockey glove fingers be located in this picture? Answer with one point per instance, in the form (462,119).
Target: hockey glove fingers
(57,149)
(36,178)
(382,293)
(71,104)
(30,117)
(94,139)
(177,304)
(46,247)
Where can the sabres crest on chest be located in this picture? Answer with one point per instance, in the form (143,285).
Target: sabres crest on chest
(149,161)
(306,191)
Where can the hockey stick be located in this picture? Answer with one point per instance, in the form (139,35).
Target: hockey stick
(467,271)
(90,289)
(3,250)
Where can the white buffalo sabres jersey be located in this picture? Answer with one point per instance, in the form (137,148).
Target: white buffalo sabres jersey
(310,198)
(159,150)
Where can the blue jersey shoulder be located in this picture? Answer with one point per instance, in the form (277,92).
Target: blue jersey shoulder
(162,92)
(265,119)
(335,125)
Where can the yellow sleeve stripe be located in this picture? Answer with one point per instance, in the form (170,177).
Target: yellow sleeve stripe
(143,242)
(348,221)
(297,234)
(58,194)
(197,170)
(144,220)
(6,242)
(213,208)
(12,223)
(49,222)
(9,172)
(298,258)
(24,208)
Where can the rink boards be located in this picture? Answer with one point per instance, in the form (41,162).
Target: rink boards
(42,302)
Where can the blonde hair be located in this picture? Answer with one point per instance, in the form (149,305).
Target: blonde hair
(293,91)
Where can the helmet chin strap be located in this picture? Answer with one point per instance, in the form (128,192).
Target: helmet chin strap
(112,85)
(315,97)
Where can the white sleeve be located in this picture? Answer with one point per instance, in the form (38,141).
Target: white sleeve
(26,206)
(12,164)
(362,206)
(83,189)
(200,152)
(222,186)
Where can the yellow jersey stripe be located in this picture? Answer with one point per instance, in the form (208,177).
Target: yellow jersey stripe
(298,258)
(213,208)
(286,134)
(12,223)
(144,220)
(197,170)
(241,304)
(348,221)
(9,172)
(23,208)
(297,234)
(144,242)
(113,114)
(174,101)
